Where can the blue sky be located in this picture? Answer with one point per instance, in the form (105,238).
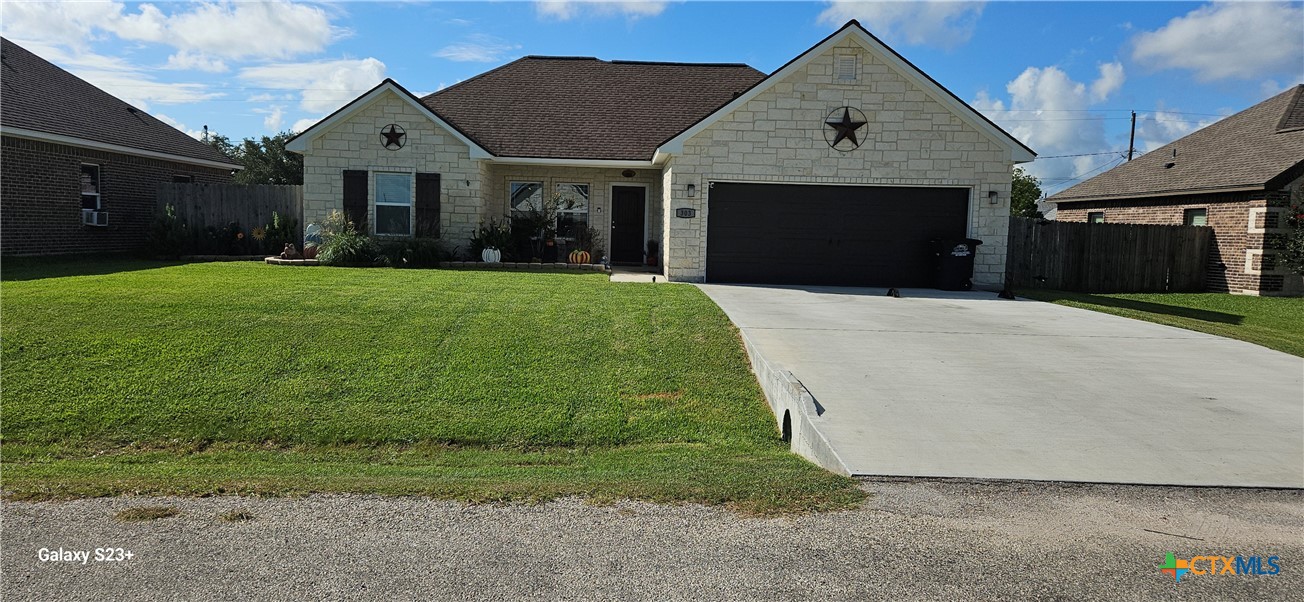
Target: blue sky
(1060,76)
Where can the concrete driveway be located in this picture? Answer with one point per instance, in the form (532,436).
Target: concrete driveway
(968,385)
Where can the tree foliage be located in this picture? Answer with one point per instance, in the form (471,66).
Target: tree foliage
(1292,244)
(265,160)
(1024,192)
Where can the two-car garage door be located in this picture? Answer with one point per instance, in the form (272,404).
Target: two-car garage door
(829,235)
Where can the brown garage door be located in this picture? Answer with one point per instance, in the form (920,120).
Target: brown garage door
(830,235)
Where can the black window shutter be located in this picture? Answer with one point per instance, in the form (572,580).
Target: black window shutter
(427,205)
(355,198)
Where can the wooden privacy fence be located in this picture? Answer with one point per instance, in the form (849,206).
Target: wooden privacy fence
(217,205)
(1107,258)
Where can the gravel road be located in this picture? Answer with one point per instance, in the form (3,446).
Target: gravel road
(912,540)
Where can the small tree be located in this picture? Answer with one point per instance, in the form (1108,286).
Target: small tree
(265,160)
(1292,243)
(1025,190)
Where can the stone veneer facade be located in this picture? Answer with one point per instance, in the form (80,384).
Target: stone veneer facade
(911,139)
(1242,259)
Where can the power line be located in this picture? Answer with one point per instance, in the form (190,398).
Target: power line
(1107,164)
(1080,155)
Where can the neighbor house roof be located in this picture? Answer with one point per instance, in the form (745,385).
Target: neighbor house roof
(40,100)
(1260,147)
(585,108)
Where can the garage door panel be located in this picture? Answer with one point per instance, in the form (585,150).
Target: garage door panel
(836,235)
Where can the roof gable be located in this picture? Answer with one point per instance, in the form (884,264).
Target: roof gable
(43,101)
(1251,150)
(582,108)
(299,143)
(1019,152)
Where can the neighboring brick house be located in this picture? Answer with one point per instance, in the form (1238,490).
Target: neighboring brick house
(838,168)
(78,167)
(1236,176)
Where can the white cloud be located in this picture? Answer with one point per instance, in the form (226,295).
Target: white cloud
(275,117)
(196,134)
(1156,129)
(1111,79)
(564,10)
(1233,40)
(304,124)
(937,23)
(1050,112)
(324,85)
(478,48)
(188,61)
(120,78)
(273,29)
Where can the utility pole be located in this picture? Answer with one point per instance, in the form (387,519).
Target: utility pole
(1131,140)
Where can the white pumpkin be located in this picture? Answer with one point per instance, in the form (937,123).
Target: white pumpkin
(491,255)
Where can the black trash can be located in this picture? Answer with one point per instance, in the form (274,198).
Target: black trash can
(953,263)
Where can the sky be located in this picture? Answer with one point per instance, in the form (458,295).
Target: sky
(1062,77)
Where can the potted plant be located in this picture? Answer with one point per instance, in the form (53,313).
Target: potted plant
(652,253)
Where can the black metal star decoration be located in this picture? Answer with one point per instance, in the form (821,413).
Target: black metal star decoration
(394,136)
(845,126)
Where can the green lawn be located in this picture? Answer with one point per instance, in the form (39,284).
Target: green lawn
(1274,322)
(138,377)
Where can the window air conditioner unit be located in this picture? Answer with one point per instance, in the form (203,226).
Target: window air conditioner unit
(91,217)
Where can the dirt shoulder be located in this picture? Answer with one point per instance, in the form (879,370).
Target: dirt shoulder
(911,540)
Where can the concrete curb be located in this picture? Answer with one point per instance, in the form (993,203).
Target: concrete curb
(788,397)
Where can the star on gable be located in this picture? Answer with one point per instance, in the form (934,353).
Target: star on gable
(394,136)
(844,127)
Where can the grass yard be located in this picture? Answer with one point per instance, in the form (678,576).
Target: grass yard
(1273,322)
(151,378)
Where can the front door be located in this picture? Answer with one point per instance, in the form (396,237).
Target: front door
(627,215)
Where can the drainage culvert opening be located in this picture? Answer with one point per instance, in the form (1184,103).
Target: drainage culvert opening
(786,433)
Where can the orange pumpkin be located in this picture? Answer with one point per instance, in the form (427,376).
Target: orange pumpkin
(578,256)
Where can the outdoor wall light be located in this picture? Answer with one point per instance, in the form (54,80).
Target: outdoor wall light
(991,196)
(692,190)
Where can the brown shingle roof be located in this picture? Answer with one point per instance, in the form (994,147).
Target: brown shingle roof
(1248,149)
(39,96)
(620,110)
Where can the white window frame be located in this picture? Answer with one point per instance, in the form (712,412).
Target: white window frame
(99,186)
(411,186)
(588,202)
(511,205)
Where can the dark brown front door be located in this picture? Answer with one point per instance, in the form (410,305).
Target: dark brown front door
(627,209)
(829,235)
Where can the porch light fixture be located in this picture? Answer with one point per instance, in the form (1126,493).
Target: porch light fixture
(991,196)
(692,190)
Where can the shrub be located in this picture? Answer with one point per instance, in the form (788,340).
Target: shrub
(495,234)
(415,252)
(1292,243)
(342,244)
(167,235)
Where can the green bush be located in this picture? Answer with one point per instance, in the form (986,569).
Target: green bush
(1292,243)
(342,244)
(415,252)
(167,236)
(495,234)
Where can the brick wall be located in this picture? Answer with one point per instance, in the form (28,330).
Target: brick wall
(40,197)
(911,140)
(1239,221)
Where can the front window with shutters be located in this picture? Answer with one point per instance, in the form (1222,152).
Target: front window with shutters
(394,203)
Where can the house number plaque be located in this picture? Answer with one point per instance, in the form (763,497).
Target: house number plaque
(686,212)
